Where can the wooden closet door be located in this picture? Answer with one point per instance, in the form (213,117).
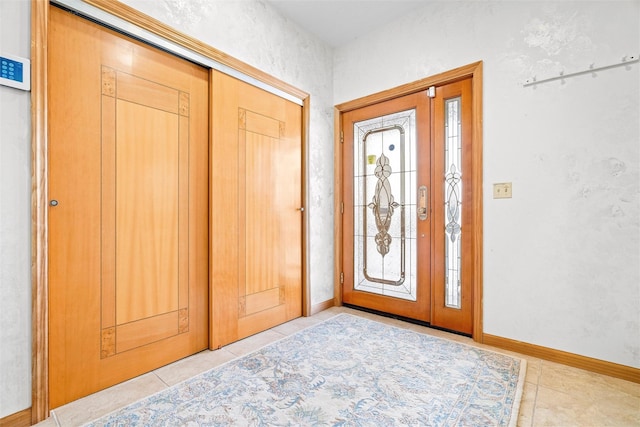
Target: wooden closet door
(128,217)
(256,215)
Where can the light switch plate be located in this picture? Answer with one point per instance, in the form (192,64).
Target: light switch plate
(502,190)
(15,72)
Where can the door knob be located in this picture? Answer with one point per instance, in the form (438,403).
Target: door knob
(53,202)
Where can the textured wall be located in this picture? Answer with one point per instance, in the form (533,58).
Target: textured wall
(255,33)
(250,31)
(562,257)
(15,223)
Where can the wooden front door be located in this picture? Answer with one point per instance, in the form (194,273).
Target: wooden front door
(256,210)
(382,145)
(128,216)
(407,226)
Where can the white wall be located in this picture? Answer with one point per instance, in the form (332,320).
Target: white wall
(255,33)
(15,222)
(562,257)
(248,30)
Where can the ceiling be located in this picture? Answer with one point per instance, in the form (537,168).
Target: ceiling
(340,21)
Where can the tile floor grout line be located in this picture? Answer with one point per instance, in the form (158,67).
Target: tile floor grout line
(259,347)
(55,418)
(160,378)
(535,396)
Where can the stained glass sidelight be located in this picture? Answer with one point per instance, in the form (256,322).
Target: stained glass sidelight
(385,206)
(453,202)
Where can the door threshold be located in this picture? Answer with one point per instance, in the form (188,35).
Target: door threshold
(405,319)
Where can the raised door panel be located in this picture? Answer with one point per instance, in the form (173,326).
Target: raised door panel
(128,238)
(256,191)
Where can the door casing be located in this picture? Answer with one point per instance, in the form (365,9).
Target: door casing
(473,71)
(39,167)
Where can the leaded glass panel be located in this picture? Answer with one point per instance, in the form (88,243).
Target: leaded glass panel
(384,205)
(453,202)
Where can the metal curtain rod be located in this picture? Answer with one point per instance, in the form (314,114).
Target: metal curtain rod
(626,60)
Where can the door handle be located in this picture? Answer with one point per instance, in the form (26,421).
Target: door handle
(423,201)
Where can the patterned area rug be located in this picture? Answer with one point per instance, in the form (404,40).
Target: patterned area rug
(346,371)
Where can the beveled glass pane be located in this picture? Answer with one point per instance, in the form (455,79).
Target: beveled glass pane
(453,202)
(384,260)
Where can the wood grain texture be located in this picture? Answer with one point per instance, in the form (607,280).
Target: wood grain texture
(338,197)
(19,419)
(627,373)
(262,125)
(147,211)
(39,211)
(317,308)
(306,282)
(419,309)
(108,342)
(131,175)
(450,76)
(224,219)
(108,195)
(183,320)
(256,190)
(141,20)
(186,214)
(74,168)
(148,93)
(261,250)
(477,184)
(146,331)
(457,319)
(263,300)
(109,81)
(39,98)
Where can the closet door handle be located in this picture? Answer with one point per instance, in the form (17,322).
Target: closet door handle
(423,203)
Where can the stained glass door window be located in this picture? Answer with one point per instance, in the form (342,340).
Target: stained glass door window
(409,217)
(385,205)
(453,202)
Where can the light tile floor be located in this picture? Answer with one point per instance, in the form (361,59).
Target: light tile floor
(554,395)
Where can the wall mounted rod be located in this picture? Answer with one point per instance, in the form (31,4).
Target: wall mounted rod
(625,61)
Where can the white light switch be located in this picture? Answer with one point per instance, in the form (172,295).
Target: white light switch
(502,190)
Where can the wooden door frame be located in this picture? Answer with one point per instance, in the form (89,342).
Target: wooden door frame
(473,71)
(39,169)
